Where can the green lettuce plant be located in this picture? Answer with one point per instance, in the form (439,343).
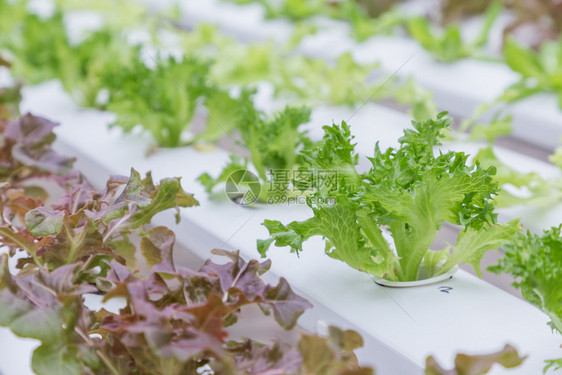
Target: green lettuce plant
(272,146)
(408,193)
(536,261)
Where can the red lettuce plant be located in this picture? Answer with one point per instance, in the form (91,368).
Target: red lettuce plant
(174,320)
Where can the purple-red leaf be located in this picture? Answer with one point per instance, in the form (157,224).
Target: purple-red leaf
(157,248)
(32,137)
(42,222)
(253,358)
(241,284)
(286,305)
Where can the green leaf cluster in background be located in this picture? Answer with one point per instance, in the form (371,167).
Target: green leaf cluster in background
(272,144)
(38,56)
(162,95)
(532,189)
(162,99)
(299,79)
(366,18)
(540,71)
(449,46)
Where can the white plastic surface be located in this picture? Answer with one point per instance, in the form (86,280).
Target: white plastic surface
(15,353)
(472,317)
(412,284)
